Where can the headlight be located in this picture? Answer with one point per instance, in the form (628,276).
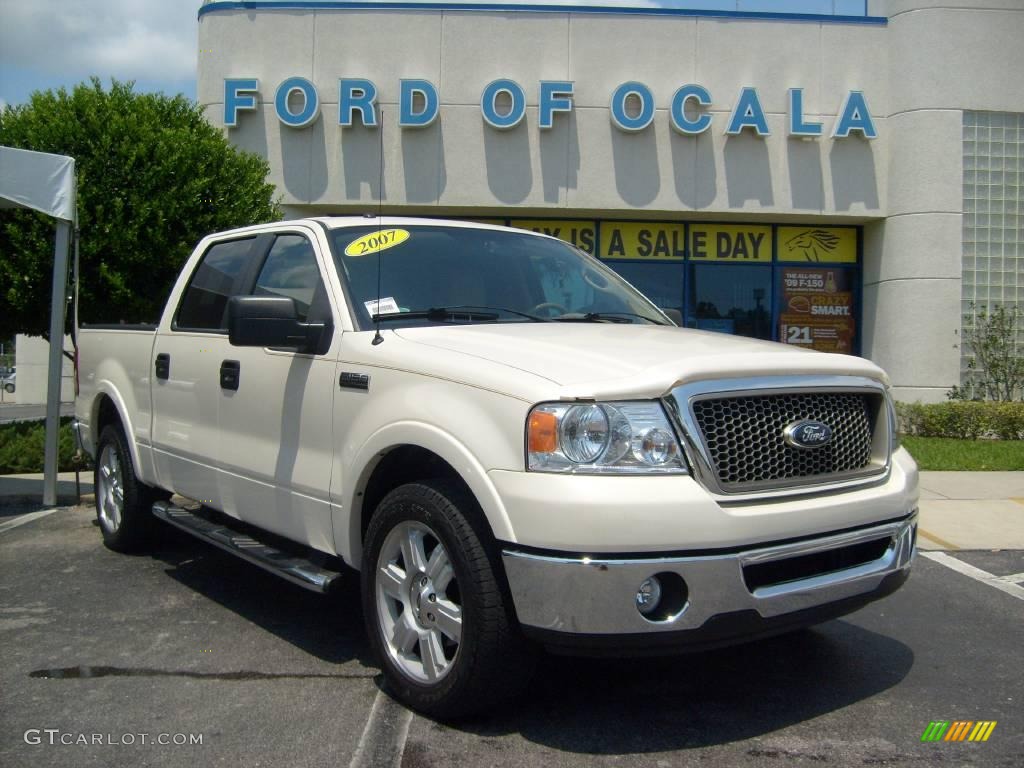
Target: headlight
(605,438)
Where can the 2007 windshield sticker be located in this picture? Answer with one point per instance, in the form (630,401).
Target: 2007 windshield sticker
(374,242)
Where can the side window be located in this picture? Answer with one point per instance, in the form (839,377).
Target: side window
(205,300)
(290,270)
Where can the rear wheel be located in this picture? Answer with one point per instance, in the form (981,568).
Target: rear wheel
(123,503)
(435,611)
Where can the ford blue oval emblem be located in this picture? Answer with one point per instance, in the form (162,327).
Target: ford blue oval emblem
(807,434)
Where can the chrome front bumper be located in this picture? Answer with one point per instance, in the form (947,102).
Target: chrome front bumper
(596,596)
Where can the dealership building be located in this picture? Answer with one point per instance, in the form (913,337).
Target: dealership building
(835,174)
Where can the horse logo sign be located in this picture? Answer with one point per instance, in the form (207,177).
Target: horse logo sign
(813,244)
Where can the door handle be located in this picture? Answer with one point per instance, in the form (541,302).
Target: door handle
(230,374)
(349,380)
(163,366)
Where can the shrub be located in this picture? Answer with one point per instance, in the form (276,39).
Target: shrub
(964,419)
(22,447)
(1008,420)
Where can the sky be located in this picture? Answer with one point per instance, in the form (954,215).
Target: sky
(52,43)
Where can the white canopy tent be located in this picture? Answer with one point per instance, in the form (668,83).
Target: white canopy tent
(46,183)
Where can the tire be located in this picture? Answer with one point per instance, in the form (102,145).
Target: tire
(9,388)
(444,630)
(123,503)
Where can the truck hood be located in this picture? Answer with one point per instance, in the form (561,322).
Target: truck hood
(606,360)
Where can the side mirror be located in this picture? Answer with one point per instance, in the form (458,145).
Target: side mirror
(270,321)
(674,315)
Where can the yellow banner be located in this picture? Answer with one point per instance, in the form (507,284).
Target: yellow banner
(582,234)
(733,243)
(642,240)
(825,245)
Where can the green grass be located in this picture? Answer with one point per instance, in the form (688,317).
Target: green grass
(947,453)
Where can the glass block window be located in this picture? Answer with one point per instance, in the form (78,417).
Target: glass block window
(993,221)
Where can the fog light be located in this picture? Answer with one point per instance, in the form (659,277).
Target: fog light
(648,596)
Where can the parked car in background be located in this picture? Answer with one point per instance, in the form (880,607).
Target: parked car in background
(9,383)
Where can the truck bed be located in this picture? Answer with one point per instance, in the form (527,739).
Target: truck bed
(116,359)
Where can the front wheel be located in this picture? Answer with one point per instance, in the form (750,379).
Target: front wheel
(435,611)
(9,388)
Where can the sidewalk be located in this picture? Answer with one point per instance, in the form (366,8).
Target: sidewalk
(959,510)
(21,493)
(971,510)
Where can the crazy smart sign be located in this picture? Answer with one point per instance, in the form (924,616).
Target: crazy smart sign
(632,106)
(816,301)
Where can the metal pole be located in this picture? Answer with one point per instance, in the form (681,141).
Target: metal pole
(58,302)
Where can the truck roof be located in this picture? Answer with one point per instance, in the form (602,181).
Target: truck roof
(342,222)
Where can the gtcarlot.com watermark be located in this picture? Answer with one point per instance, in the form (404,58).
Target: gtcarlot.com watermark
(56,737)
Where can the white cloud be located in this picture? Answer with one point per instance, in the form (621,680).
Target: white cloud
(126,39)
(151,40)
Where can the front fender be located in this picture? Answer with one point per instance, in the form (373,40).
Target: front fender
(347,533)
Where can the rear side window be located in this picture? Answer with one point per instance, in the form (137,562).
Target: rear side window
(290,270)
(204,305)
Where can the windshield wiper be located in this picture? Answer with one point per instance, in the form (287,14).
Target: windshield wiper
(603,317)
(468,312)
(527,315)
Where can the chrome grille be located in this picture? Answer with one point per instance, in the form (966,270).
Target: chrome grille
(744,437)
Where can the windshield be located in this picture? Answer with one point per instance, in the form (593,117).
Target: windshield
(439,274)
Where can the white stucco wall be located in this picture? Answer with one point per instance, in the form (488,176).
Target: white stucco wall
(933,60)
(943,58)
(32,360)
(584,162)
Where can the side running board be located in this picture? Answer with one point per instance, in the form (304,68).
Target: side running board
(297,570)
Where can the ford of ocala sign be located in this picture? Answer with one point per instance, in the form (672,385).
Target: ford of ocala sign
(503,106)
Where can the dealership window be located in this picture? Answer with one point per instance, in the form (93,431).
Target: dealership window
(730,298)
(796,284)
(661,283)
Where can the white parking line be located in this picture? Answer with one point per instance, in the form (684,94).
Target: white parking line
(22,519)
(975,573)
(383,740)
(1013,578)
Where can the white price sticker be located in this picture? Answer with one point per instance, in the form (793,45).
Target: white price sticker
(386,306)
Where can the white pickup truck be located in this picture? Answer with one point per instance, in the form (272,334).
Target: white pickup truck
(513,447)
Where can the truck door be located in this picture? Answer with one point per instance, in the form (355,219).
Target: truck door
(275,408)
(191,341)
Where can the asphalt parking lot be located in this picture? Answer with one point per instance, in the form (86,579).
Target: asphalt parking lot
(191,642)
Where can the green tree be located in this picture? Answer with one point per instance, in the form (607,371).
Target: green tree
(153,177)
